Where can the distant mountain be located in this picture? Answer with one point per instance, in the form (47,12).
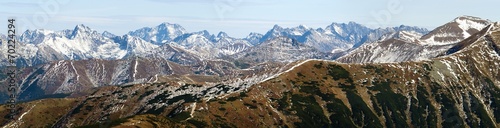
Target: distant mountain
(134,46)
(198,43)
(254,38)
(79,43)
(175,53)
(160,34)
(44,46)
(278,31)
(209,46)
(108,34)
(336,37)
(229,45)
(280,49)
(412,46)
(83,43)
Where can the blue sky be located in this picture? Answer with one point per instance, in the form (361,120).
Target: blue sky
(237,17)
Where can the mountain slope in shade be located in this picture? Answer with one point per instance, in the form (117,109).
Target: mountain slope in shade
(460,88)
(411,46)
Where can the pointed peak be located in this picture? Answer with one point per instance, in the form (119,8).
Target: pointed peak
(205,32)
(108,34)
(353,23)
(254,34)
(303,26)
(170,27)
(338,24)
(165,24)
(222,34)
(334,23)
(320,30)
(127,36)
(82,27)
(277,27)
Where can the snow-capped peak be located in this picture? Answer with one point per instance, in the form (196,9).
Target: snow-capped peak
(277,28)
(136,45)
(466,17)
(222,34)
(159,34)
(304,27)
(82,30)
(34,36)
(254,38)
(108,34)
(469,22)
(254,34)
(456,30)
(282,41)
(171,28)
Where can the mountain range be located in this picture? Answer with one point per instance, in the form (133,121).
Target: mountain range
(343,75)
(62,61)
(82,43)
(412,46)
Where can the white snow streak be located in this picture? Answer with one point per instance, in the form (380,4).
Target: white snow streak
(135,69)
(192,110)
(76,72)
(22,115)
(295,66)
(19,120)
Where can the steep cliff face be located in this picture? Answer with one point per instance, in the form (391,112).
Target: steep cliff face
(460,88)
